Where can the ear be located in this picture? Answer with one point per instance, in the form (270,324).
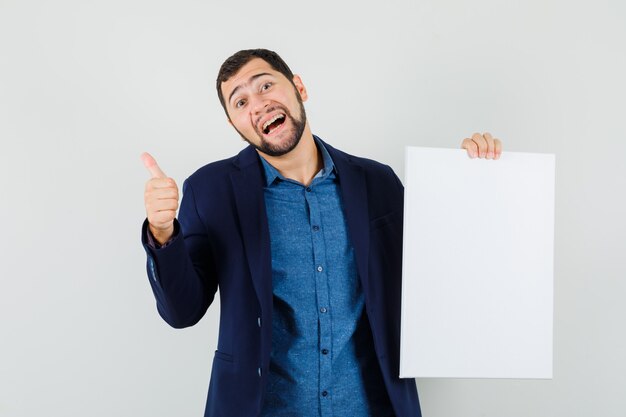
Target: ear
(300,87)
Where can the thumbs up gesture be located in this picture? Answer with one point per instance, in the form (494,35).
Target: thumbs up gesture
(161,200)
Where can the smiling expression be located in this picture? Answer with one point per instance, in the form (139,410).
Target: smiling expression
(265,108)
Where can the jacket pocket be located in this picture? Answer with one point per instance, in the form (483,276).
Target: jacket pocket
(223,356)
(383,221)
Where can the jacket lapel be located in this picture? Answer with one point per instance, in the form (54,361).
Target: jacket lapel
(248,183)
(354,195)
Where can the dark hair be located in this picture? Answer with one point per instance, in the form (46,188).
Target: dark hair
(234,63)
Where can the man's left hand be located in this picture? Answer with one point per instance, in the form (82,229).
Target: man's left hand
(482,146)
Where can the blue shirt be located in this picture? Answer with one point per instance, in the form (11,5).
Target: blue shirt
(323,361)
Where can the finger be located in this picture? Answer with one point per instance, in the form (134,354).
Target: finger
(165,204)
(161,194)
(157,206)
(162,219)
(154,183)
(152,166)
(490,145)
(470,146)
(480,141)
(164,194)
(498,148)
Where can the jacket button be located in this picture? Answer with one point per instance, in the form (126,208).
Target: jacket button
(324,351)
(324,393)
(259,371)
(258,320)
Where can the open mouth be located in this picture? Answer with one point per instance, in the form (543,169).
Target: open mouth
(274,123)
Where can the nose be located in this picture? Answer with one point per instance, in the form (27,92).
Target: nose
(260,105)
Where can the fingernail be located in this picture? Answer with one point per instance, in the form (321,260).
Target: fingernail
(490,155)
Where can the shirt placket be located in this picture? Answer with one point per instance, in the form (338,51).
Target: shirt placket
(323,302)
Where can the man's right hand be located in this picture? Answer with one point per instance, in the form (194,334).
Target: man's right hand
(161,200)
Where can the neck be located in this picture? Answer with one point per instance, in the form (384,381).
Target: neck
(302,163)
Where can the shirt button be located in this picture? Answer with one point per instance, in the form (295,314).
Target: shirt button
(324,393)
(316,228)
(320,269)
(323,310)
(324,351)
(308,189)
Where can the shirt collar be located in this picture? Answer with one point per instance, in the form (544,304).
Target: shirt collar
(328,168)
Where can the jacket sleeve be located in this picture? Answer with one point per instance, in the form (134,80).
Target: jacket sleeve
(182,273)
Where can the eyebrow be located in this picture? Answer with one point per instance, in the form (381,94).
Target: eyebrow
(254,77)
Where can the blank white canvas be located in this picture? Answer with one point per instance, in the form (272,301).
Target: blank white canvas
(477,294)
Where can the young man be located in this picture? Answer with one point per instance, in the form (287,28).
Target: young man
(305,244)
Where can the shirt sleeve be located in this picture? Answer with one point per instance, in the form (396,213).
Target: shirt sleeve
(154,244)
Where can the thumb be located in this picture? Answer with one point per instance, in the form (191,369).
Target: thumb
(152,166)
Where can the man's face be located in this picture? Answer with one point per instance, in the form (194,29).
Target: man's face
(265,108)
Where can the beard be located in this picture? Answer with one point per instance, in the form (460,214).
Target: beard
(292,139)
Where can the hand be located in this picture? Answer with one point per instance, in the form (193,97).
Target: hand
(161,200)
(482,146)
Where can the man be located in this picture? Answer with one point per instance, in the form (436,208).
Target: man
(305,245)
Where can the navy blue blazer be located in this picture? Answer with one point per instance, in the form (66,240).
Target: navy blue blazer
(225,243)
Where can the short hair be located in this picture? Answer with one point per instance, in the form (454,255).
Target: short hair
(234,63)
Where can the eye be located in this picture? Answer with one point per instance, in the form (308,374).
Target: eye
(266,86)
(240,103)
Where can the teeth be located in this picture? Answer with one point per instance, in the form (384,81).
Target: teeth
(272,120)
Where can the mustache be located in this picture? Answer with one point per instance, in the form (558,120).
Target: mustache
(269,110)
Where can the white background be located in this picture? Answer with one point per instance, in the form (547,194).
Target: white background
(86,86)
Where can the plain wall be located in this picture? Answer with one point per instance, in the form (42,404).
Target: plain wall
(85,87)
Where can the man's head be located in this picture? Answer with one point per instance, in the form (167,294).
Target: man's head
(234,63)
(263,100)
